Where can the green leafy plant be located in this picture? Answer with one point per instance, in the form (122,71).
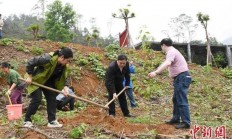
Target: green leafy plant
(6,41)
(207,68)
(75,72)
(20,48)
(139,119)
(227,72)
(66,114)
(14,64)
(220,59)
(112,51)
(78,131)
(96,64)
(4,120)
(37,50)
(83,61)
(39,119)
(145,37)
(80,105)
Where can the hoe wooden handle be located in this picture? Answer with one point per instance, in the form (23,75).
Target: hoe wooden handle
(58,91)
(107,105)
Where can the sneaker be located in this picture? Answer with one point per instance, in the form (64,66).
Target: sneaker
(54,123)
(27,124)
(112,116)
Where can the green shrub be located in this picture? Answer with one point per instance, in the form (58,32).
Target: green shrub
(39,119)
(83,61)
(77,131)
(112,51)
(14,64)
(227,72)
(220,59)
(20,47)
(96,64)
(37,50)
(6,41)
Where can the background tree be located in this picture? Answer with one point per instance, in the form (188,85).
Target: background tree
(59,22)
(166,33)
(183,28)
(34,29)
(197,42)
(39,8)
(16,26)
(204,21)
(93,36)
(214,41)
(125,15)
(145,37)
(177,28)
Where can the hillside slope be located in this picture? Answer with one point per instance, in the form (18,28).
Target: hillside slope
(210,95)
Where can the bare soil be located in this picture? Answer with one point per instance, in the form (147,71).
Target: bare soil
(89,86)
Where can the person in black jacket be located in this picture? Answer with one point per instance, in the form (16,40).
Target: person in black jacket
(51,70)
(115,74)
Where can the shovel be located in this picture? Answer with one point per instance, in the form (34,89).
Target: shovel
(58,91)
(9,99)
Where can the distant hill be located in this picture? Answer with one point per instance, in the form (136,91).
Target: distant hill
(227,41)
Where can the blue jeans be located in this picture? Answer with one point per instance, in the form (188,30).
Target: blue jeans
(130,95)
(180,101)
(0,34)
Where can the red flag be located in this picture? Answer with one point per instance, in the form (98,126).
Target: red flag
(123,38)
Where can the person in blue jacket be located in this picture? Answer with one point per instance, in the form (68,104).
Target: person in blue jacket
(129,91)
(63,101)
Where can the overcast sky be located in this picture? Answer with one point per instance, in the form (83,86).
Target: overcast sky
(155,14)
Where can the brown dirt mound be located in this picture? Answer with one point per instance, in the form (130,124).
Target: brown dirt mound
(88,85)
(33,135)
(93,116)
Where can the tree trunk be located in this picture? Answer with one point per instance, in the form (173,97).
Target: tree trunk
(229,56)
(209,54)
(128,34)
(189,53)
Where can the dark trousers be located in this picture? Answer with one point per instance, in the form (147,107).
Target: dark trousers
(36,98)
(180,99)
(64,102)
(122,102)
(16,97)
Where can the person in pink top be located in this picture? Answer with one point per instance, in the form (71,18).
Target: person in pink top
(178,70)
